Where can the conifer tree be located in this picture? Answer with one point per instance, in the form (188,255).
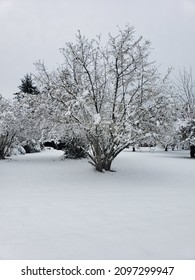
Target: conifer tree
(27,85)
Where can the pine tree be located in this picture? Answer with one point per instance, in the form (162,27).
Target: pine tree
(27,85)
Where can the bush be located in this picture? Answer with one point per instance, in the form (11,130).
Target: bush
(18,150)
(50,144)
(6,141)
(74,149)
(31,146)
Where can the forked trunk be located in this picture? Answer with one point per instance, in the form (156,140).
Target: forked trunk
(99,166)
(107,165)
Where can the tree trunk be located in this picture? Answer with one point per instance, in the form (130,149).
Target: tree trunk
(107,165)
(99,166)
(5,144)
(133,150)
(192,151)
(1,155)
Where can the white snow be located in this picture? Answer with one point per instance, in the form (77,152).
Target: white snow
(97,118)
(54,209)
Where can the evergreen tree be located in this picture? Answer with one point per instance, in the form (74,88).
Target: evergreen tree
(27,85)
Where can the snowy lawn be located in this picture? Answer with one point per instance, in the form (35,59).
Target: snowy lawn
(54,209)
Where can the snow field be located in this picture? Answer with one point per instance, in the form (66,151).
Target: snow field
(54,209)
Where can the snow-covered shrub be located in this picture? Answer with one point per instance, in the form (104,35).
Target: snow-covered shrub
(7,127)
(50,144)
(74,149)
(18,150)
(31,146)
(6,141)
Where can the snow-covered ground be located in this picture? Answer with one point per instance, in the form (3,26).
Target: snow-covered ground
(54,209)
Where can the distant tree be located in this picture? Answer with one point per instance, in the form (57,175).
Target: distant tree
(185,88)
(38,120)
(27,86)
(8,128)
(29,114)
(185,92)
(155,126)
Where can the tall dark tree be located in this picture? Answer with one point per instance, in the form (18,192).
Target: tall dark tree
(27,85)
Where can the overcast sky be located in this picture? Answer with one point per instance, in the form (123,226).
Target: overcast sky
(35,29)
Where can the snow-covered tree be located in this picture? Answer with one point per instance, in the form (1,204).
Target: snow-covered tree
(156,124)
(185,92)
(38,121)
(104,91)
(7,127)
